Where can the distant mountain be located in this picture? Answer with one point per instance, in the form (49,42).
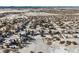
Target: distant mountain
(61,7)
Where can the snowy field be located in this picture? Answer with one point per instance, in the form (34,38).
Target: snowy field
(39,30)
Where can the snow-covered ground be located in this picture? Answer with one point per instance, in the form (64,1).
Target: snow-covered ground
(38,32)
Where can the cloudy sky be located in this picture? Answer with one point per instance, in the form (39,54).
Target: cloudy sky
(39,3)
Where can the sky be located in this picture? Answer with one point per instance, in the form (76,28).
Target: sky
(39,3)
